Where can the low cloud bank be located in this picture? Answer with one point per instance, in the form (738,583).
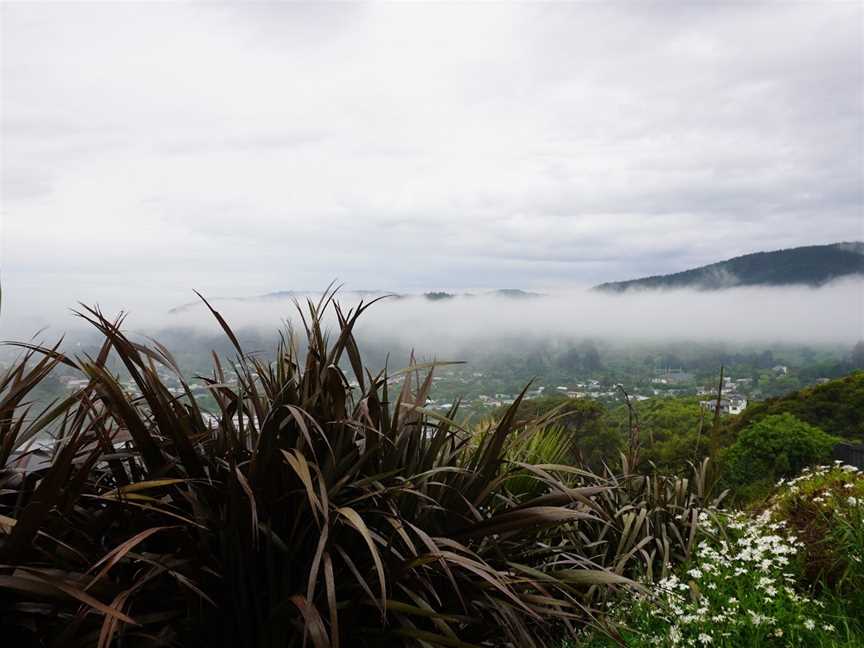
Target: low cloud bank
(828,315)
(833,314)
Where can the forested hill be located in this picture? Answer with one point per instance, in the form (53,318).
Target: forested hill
(812,265)
(836,407)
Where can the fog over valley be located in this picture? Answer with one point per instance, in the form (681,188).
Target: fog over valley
(829,315)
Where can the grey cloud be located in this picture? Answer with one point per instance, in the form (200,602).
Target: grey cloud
(252,148)
(23,184)
(260,141)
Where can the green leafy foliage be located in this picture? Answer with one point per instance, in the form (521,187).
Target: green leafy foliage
(834,407)
(777,446)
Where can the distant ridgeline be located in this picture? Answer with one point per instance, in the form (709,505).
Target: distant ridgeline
(508,293)
(504,293)
(813,265)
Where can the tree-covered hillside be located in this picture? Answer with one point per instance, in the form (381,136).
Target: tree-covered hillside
(835,407)
(676,431)
(813,265)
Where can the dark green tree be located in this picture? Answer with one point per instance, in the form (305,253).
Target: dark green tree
(777,446)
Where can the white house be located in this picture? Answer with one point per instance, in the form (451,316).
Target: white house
(733,405)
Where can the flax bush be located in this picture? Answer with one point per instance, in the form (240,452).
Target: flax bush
(303,511)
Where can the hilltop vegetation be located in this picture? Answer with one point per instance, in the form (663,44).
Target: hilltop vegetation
(835,407)
(670,429)
(812,265)
(769,440)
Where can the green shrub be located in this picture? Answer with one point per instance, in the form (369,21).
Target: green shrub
(778,446)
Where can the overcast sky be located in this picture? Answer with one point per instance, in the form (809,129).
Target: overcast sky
(149,149)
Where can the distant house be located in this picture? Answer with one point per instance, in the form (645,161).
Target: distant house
(733,405)
(737,405)
(780,369)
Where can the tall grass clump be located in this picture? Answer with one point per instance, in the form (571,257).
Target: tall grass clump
(302,511)
(646,523)
(645,520)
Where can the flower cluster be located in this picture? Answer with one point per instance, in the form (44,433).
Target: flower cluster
(738,590)
(816,482)
(826,505)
